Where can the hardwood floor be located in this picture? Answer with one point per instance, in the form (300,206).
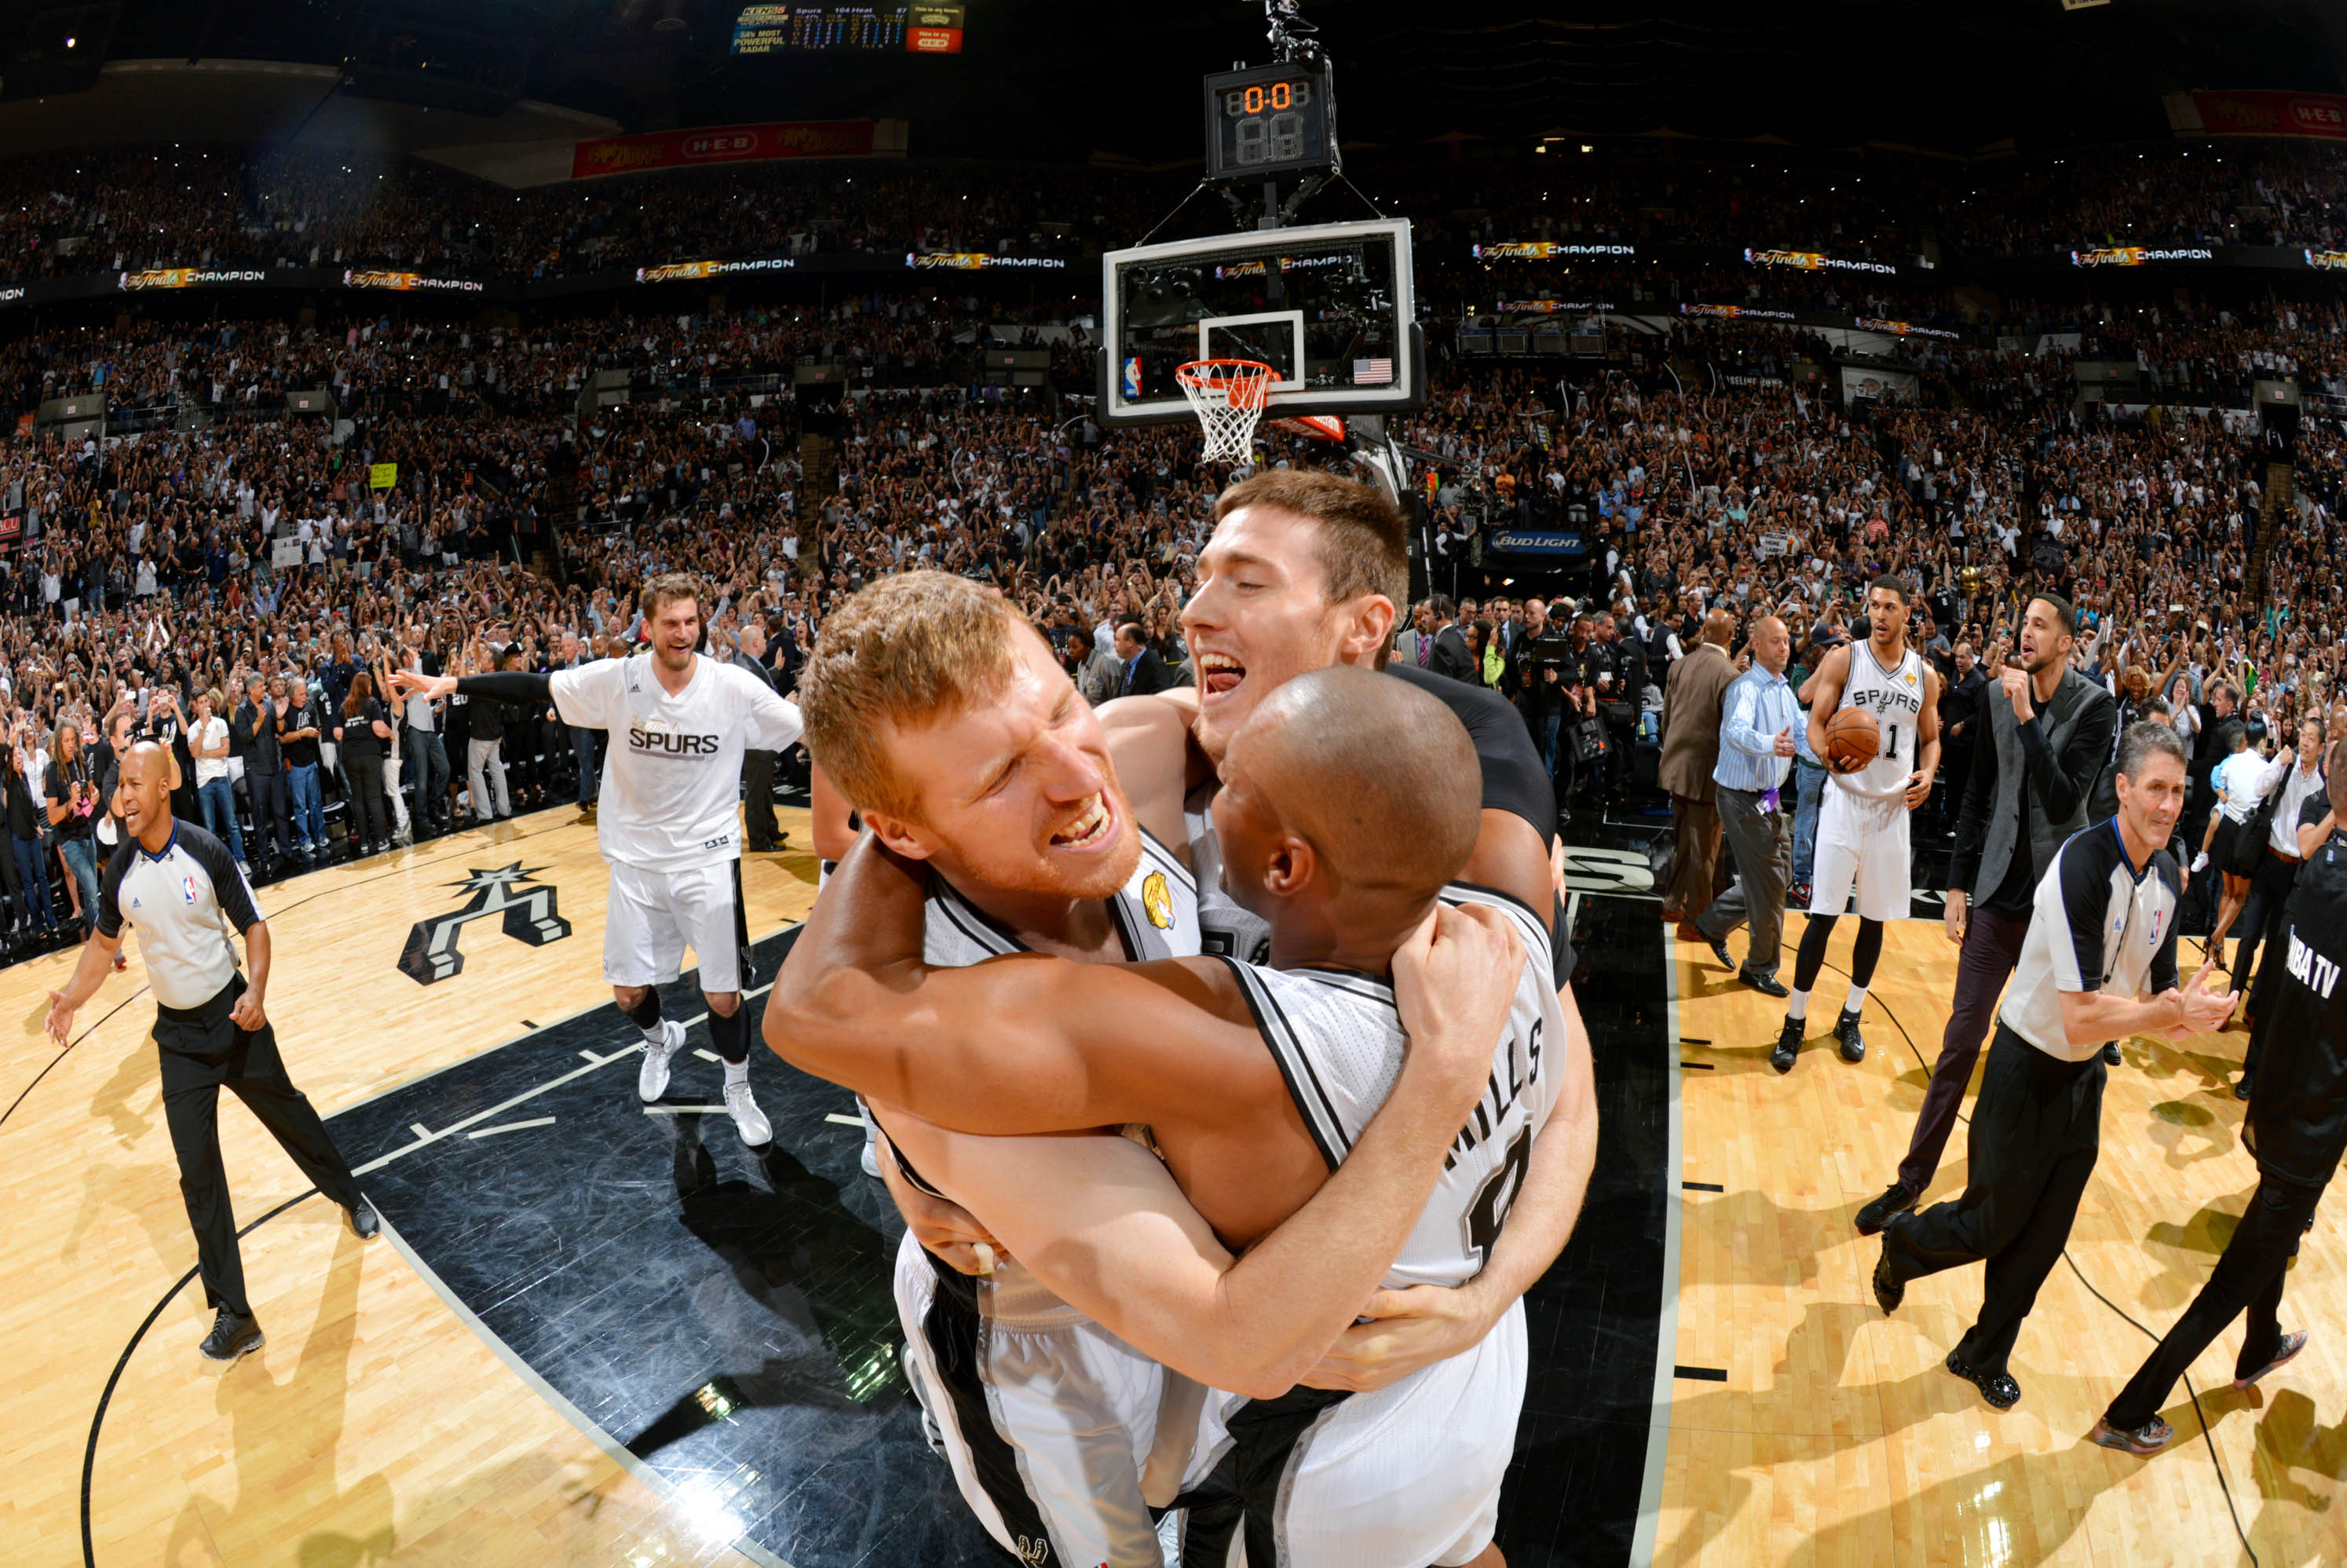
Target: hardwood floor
(375,1425)
(1838,1437)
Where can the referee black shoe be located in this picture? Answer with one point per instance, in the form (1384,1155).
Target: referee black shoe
(234,1338)
(1997,1388)
(365,1224)
(1898,1198)
(1788,1045)
(1853,1044)
(1888,1292)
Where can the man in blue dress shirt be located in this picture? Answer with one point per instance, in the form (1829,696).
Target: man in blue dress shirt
(1760,723)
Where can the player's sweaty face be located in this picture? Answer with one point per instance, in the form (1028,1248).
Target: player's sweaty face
(676,629)
(1886,612)
(1261,615)
(1018,793)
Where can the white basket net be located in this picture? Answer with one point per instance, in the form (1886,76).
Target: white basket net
(1227,396)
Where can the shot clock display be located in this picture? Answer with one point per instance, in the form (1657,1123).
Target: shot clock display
(1269,120)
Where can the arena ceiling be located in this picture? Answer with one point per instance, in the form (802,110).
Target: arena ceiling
(1062,79)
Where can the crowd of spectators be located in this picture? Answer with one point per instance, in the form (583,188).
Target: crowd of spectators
(213,538)
(72,213)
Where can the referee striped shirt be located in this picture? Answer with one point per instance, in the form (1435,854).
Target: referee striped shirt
(184,903)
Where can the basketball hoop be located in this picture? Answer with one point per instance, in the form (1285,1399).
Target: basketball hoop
(1227,395)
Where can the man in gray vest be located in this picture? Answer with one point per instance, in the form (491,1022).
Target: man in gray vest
(2048,730)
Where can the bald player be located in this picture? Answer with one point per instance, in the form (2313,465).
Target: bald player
(939,708)
(1342,820)
(183,889)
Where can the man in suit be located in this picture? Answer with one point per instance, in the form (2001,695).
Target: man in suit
(264,773)
(1144,672)
(1963,682)
(758,767)
(1692,701)
(1415,643)
(2044,731)
(1449,655)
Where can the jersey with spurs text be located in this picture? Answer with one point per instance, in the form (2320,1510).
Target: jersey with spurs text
(671,784)
(1895,698)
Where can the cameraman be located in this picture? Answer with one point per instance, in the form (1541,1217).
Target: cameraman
(1534,679)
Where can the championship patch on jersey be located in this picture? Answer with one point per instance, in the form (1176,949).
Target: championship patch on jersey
(1157,898)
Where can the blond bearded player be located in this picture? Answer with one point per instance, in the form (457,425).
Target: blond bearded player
(1346,816)
(972,754)
(670,820)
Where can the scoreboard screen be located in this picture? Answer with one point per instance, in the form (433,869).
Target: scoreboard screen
(1272,120)
(773,29)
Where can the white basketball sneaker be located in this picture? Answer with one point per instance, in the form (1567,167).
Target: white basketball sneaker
(748,1119)
(651,1079)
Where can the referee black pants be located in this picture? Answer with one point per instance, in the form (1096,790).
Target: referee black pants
(203,1051)
(2036,1129)
(2250,1274)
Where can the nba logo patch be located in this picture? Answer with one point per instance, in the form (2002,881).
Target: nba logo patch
(188,889)
(1133,377)
(1157,898)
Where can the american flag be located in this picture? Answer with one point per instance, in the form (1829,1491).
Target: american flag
(1372,371)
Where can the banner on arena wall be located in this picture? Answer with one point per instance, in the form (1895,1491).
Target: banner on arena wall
(683,271)
(1817,261)
(1546,250)
(1736,313)
(1521,542)
(404,282)
(1903,329)
(2328,260)
(1549,307)
(723,143)
(186,278)
(2320,116)
(1882,386)
(981,261)
(2140,255)
(382,476)
(285,552)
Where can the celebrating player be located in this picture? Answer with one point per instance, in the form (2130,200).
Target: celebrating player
(669,821)
(1862,823)
(1342,817)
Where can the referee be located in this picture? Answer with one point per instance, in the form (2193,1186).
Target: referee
(2102,933)
(2297,1130)
(178,884)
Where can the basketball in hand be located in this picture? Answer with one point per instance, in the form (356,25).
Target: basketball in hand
(1852,737)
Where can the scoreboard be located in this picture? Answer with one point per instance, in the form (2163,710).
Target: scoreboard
(763,28)
(1270,120)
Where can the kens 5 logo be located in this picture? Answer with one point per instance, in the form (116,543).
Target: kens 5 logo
(666,744)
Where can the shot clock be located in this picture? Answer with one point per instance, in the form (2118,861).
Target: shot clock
(1269,120)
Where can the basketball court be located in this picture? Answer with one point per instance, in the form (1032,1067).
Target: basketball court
(597,1333)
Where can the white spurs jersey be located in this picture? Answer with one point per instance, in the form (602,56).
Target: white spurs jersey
(1895,698)
(1339,1042)
(671,789)
(1157,913)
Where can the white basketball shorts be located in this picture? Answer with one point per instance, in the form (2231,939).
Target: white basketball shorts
(1862,846)
(653,916)
(1046,1417)
(1401,1478)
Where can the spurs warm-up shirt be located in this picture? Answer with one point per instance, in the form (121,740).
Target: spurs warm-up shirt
(673,771)
(2099,925)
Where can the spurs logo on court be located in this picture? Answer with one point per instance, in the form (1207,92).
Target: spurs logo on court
(529,916)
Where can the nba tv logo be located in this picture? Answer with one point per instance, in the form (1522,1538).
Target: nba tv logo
(528,912)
